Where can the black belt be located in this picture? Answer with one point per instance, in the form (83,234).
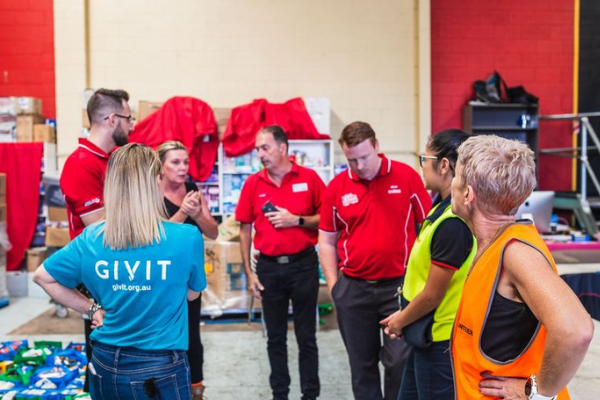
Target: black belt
(289,258)
(373,282)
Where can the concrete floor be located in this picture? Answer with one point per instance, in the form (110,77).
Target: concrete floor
(237,367)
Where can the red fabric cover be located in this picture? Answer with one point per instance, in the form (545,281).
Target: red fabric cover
(22,163)
(188,120)
(247,120)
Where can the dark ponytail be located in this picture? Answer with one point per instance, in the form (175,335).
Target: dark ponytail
(445,143)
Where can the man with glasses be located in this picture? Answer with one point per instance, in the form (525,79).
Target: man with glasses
(367,228)
(82,178)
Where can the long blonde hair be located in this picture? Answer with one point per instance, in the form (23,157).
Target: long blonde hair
(133,203)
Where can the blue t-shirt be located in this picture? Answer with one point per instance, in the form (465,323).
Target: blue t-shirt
(143,290)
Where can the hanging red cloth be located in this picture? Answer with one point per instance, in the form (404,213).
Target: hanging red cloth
(247,120)
(188,120)
(22,163)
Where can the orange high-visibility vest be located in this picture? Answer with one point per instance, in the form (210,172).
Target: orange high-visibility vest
(468,360)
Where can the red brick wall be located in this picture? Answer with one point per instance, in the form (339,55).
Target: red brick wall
(529,42)
(27,51)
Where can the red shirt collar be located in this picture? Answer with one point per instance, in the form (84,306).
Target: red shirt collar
(386,167)
(92,148)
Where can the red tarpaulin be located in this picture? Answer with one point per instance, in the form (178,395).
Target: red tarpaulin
(22,163)
(247,120)
(188,120)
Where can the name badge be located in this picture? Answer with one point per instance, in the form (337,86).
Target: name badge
(300,187)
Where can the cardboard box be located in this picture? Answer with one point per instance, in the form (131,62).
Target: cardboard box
(35,257)
(57,213)
(20,105)
(29,105)
(57,237)
(25,125)
(44,133)
(2,212)
(85,120)
(145,108)
(227,288)
(2,188)
(229,230)
(222,117)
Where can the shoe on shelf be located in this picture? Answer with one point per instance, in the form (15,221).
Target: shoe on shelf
(198,392)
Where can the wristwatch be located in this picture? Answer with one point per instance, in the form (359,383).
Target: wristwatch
(531,390)
(300,221)
(92,310)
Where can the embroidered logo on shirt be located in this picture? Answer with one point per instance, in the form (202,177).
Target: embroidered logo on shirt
(394,189)
(349,199)
(299,187)
(92,201)
(262,195)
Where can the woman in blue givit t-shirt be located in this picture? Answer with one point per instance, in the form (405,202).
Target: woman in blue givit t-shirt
(139,269)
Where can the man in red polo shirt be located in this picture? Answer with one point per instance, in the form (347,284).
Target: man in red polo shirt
(367,228)
(82,178)
(283,202)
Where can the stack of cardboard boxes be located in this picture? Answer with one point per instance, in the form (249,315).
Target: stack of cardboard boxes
(21,120)
(56,232)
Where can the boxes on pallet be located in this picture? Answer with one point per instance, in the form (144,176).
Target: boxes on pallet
(25,124)
(20,105)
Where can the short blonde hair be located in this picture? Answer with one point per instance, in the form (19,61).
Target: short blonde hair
(501,172)
(167,146)
(133,203)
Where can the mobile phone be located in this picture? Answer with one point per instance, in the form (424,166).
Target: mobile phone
(268,207)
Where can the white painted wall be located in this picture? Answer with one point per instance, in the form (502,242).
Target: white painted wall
(360,54)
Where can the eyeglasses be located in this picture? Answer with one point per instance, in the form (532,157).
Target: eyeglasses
(423,157)
(130,118)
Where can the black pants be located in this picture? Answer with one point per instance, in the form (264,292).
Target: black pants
(299,282)
(360,306)
(195,351)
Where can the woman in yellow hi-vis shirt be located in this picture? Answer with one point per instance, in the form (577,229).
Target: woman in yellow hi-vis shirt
(436,270)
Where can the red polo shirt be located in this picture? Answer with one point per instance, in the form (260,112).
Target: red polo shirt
(375,219)
(82,183)
(300,193)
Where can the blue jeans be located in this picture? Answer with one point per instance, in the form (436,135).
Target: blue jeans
(130,373)
(428,374)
